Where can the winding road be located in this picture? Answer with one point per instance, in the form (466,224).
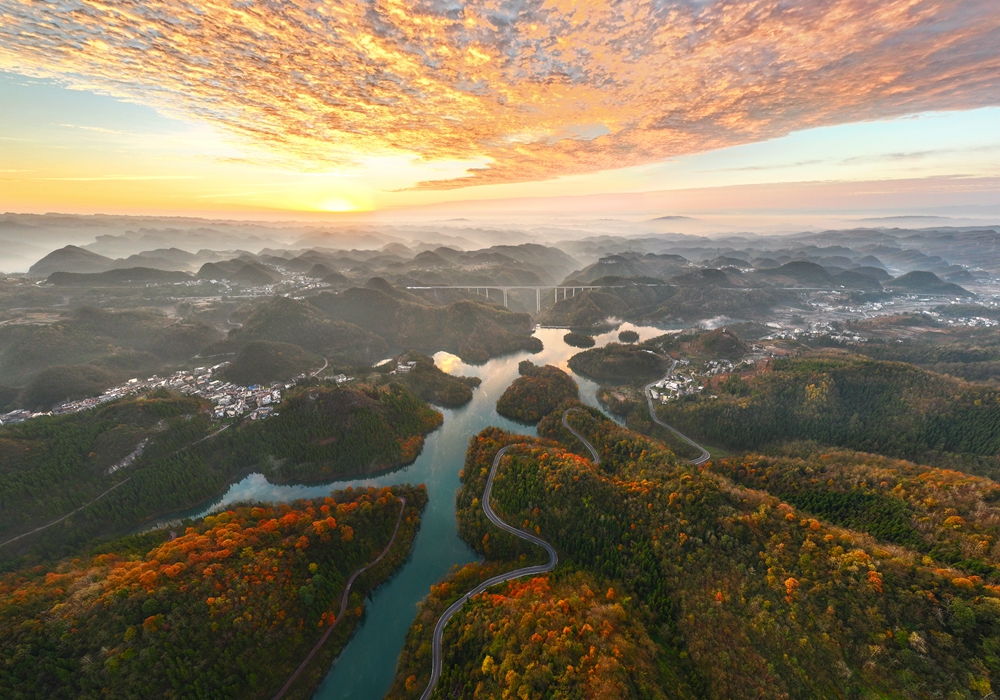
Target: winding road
(509,576)
(326,363)
(436,665)
(581,438)
(701,458)
(343,603)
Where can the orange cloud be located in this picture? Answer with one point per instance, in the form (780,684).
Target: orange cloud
(535,88)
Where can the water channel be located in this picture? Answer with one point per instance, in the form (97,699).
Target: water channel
(365,668)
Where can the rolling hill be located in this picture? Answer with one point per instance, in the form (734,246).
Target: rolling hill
(475,331)
(264,361)
(284,320)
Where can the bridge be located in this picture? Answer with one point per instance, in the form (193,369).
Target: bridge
(567,291)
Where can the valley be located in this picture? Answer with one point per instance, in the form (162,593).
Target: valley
(657,446)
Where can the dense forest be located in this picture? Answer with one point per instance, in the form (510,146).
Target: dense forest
(973,356)
(948,515)
(265,361)
(566,635)
(536,392)
(327,432)
(53,466)
(748,595)
(619,363)
(228,608)
(837,399)
(60,383)
(427,381)
(119,342)
(579,340)
(474,331)
(284,320)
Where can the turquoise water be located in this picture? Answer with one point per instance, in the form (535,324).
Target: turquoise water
(365,668)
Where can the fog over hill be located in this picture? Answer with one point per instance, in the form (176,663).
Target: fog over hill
(102,243)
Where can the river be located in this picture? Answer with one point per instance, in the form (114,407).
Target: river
(365,668)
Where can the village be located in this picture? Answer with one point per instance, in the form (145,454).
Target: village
(229,400)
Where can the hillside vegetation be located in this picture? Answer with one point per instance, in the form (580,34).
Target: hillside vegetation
(284,320)
(474,331)
(64,382)
(569,635)
(427,381)
(750,597)
(972,355)
(888,408)
(52,466)
(133,276)
(89,335)
(619,363)
(536,393)
(227,609)
(579,340)
(264,361)
(950,516)
(328,432)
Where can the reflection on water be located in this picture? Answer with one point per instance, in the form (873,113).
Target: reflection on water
(365,668)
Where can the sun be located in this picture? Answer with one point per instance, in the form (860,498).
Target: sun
(338,204)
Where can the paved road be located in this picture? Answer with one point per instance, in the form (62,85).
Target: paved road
(704,456)
(581,438)
(326,363)
(518,573)
(343,603)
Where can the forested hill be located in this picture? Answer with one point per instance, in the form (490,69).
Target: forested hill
(747,596)
(227,609)
(888,408)
(951,516)
(616,362)
(537,392)
(284,320)
(433,385)
(115,341)
(179,457)
(265,361)
(473,330)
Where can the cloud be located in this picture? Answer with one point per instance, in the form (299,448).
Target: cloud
(117,178)
(777,166)
(536,88)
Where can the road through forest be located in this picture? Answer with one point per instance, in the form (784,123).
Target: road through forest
(701,458)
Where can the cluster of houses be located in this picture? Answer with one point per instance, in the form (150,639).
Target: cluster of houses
(229,400)
(677,385)
(403,367)
(971,322)
(674,387)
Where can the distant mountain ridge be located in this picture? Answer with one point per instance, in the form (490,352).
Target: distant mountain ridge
(126,276)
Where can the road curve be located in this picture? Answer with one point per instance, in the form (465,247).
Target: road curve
(343,602)
(581,438)
(509,576)
(700,459)
(326,363)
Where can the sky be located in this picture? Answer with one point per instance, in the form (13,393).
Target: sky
(238,107)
